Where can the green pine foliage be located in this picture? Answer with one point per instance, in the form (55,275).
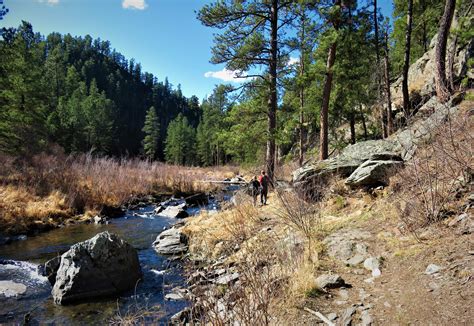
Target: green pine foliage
(180,142)
(152,134)
(81,94)
(209,139)
(426,16)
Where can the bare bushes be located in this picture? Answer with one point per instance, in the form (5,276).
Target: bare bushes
(252,299)
(440,174)
(301,216)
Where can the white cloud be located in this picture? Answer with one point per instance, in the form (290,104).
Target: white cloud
(224,74)
(49,2)
(133,4)
(293,61)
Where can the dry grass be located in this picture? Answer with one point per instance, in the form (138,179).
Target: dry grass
(215,234)
(47,187)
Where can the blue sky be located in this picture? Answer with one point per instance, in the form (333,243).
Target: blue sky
(163,35)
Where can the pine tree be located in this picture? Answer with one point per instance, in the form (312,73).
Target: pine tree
(152,134)
(252,36)
(180,142)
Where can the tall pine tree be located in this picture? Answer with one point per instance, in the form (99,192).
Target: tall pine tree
(152,134)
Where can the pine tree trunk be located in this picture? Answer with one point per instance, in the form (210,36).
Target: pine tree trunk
(453,46)
(352,127)
(406,65)
(424,32)
(302,71)
(442,88)
(323,136)
(387,89)
(364,125)
(302,131)
(377,71)
(272,101)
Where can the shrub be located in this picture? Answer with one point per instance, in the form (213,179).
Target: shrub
(440,173)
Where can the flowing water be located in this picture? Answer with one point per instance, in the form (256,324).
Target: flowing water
(19,262)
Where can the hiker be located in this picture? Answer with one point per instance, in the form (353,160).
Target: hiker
(264,180)
(254,189)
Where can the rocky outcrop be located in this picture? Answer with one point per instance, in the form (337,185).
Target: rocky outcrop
(371,163)
(171,242)
(101,266)
(421,75)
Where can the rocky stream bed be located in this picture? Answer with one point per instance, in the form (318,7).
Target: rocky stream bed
(25,292)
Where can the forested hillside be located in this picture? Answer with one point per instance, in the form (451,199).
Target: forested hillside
(316,76)
(80,94)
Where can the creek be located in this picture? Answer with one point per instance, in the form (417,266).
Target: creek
(19,263)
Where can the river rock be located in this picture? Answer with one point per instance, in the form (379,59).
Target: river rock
(373,173)
(104,265)
(100,219)
(171,242)
(11,289)
(50,269)
(177,294)
(329,281)
(174,212)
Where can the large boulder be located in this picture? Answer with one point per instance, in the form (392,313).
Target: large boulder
(104,265)
(312,175)
(373,173)
(171,242)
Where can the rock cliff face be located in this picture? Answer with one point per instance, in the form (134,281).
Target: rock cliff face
(101,266)
(421,73)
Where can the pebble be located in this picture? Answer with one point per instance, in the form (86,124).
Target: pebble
(432,269)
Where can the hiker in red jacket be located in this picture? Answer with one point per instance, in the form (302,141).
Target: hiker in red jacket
(264,181)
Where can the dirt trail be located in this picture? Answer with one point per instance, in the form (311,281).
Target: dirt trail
(404,293)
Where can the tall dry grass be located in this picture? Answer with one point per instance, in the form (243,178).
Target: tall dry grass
(63,185)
